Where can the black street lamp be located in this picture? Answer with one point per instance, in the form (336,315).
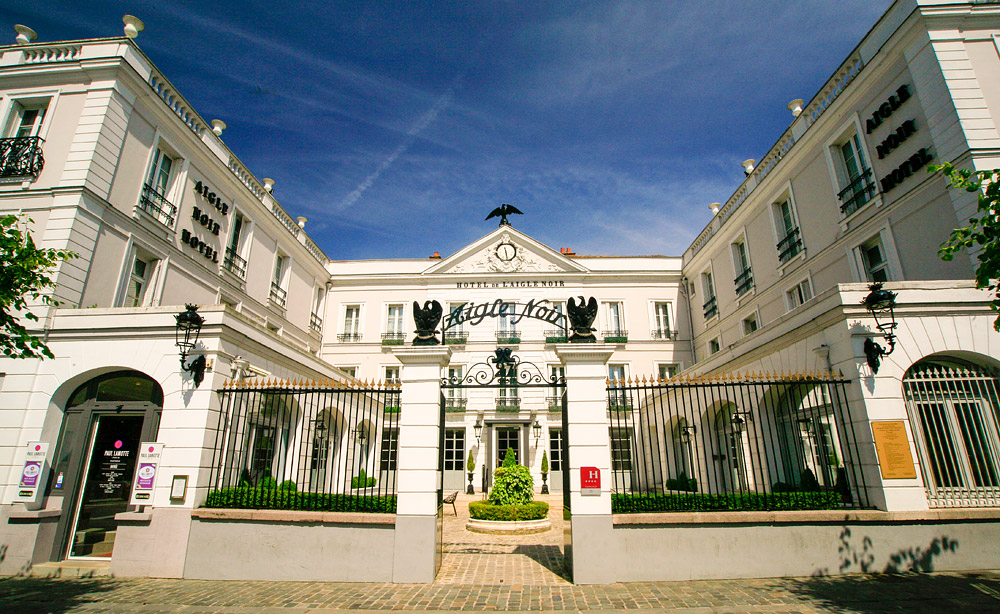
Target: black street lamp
(536,429)
(478,427)
(186,338)
(881,304)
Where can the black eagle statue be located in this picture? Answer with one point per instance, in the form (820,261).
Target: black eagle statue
(503,211)
(580,319)
(426,319)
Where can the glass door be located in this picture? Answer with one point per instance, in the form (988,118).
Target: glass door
(110,469)
(508,437)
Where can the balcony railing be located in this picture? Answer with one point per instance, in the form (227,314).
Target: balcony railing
(556,335)
(615,336)
(235,264)
(155,204)
(790,246)
(663,333)
(21,157)
(349,337)
(456,337)
(744,282)
(619,402)
(508,337)
(509,404)
(711,308)
(554,403)
(393,338)
(315,322)
(455,405)
(278,295)
(857,193)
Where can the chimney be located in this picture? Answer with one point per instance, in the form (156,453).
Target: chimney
(435,256)
(567,251)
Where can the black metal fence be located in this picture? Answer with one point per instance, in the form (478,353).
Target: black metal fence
(733,442)
(314,446)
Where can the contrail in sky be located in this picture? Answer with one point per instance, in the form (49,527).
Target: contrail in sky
(419,126)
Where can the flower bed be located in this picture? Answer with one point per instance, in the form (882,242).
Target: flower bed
(732,502)
(258,498)
(483,510)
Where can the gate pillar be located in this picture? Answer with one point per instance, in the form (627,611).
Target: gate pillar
(590,546)
(416,552)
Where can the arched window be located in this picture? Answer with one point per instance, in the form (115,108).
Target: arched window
(954,409)
(118,387)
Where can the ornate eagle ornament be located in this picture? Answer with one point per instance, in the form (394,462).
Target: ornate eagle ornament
(427,318)
(580,319)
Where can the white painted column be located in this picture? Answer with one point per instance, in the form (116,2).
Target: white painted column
(594,553)
(416,549)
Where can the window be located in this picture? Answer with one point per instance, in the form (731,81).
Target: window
(787,230)
(741,265)
(456,333)
(614,323)
(558,334)
(955,415)
(554,396)
(388,449)
(279,294)
(234,262)
(711,308)
(455,398)
(873,260)
(352,371)
(506,331)
(140,274)
(661,321)
(616,372)
(858,186)
(714,346)
(155,198)
(352,324)
(393,324)
(21,152)
(750,324)
(666,371)
(799,294)
(621,450)
(454,449)
(555,449)
(391,375)
(315,319)
(618,400)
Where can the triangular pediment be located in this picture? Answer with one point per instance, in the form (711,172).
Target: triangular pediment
(505,251)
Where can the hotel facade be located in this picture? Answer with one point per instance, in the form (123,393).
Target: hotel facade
(107,159)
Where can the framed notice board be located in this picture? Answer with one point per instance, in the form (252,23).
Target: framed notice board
(895,458)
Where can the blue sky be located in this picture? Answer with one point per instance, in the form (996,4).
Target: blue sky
(395,127)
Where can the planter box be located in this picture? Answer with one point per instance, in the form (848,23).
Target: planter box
(508,527)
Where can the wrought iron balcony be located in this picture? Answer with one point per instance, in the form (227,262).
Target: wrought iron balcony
(790,246)
(509,404)
(857,193)
(349,337)
(556,335)
(315,322)
(235,264)
(278,295)
(744,282)
(456,337)
(619,402)
(393,338)
(554,403)
(663,333)
(21,157)
(455,405)
(711,308)
(155,204)
(508,337)
(615,336)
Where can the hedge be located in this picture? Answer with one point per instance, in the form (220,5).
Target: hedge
(731,502)
(247,498)
(483,510)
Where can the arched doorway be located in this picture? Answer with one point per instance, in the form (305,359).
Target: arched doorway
(104,421)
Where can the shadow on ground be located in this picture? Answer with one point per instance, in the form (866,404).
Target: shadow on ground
(50,595)
(549,557)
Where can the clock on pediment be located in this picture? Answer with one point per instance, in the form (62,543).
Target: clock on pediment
(505,251)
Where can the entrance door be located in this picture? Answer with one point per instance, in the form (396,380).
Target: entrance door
(106,491)
(508,437)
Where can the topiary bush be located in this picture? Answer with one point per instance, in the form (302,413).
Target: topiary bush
(509,459)
(808,481)
(470,465)
(545,462)
(682,482)
(482,510)
(512,486)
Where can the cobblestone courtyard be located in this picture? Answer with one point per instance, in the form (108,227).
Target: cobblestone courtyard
(508,573)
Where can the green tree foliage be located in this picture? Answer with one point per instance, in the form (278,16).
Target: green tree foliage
(512,486)
(470,465)
(509,459)
(545,462)
(24,276)
(983,231)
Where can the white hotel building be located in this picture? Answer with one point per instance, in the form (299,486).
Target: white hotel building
(108,160)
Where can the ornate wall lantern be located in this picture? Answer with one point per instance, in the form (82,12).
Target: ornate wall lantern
(685,434)
(740,418)
(186,338)
(478,427)
(881,304)
(536,430)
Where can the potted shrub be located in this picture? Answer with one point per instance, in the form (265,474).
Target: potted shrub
(470,466)
(545,472)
